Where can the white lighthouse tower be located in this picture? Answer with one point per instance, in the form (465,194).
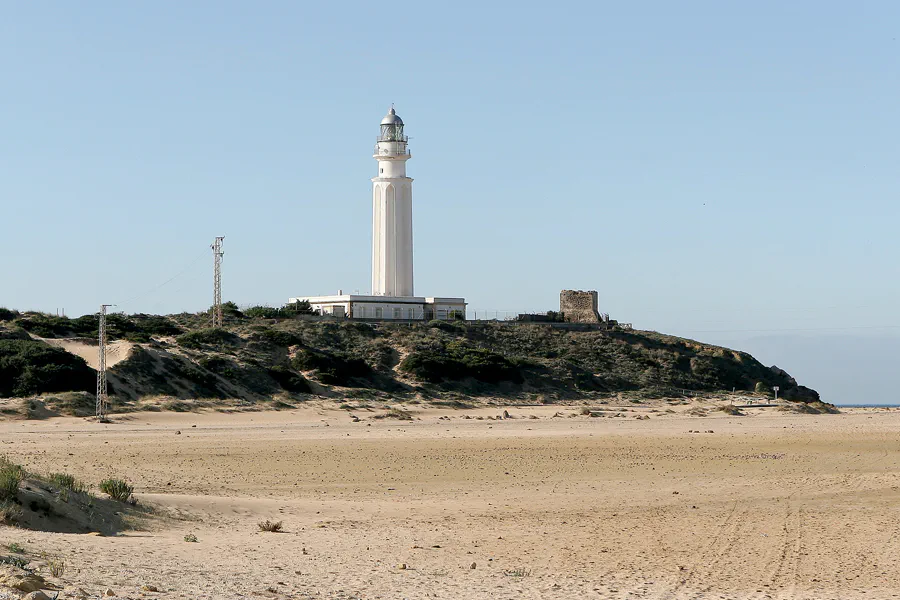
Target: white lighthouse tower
(392,297)
(392,230)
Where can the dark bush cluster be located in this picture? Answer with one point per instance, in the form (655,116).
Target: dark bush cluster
(289,380)
(285,312)
(220,366)
(456,361)
(332,368)
(277,337)
(136,328)
(212,336)
(32,367)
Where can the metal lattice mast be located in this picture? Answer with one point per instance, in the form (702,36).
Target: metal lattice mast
(102,398)
(217,281)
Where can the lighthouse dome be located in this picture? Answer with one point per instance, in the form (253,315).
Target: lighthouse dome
(391,118)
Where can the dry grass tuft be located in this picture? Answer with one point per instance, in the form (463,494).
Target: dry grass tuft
(272,526)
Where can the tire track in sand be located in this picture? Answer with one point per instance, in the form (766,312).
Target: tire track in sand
(723,542)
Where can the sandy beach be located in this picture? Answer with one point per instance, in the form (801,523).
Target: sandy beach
(768,505)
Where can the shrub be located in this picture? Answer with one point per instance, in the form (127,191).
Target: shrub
(262,312)
(301,308)
(7,315)
(230,310)
(395,413)
(16,561)
(278,337)
(56,566)
(212,336)
(459,362)
(32,367)
(190,538)
(10,477)
(286,312)
(64,481)
(331,368)
(761,388)
(272,526)
(117,489)
(220,366)
(289,380)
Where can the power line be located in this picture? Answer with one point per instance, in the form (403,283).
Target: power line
(166,282)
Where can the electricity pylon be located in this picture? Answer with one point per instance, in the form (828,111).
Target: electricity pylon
(102,398)
(217,281)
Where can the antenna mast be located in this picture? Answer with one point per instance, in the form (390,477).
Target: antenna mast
(102,398)
(217,280)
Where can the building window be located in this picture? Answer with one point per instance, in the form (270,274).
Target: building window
(382,170)
(378,313)
(397,312)
(409,314)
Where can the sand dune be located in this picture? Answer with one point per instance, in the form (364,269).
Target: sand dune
(116,351)
(775,506)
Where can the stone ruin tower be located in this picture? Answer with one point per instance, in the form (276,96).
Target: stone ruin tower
(579,306)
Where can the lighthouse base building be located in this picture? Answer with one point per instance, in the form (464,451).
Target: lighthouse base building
(392,296)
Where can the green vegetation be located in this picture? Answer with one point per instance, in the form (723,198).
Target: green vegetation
(289,380)
(276,337)
(16,561)
(15,548)
(456,361)
(266,352)
(56,566)
(137,328)
(33,367)
(286,312)
(333,368)
(11,476)
(211,337)
(64,481)
(117,489)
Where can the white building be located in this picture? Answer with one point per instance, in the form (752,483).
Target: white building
(392,294)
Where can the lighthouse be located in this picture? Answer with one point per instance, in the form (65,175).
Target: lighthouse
(392,230)
(392,297)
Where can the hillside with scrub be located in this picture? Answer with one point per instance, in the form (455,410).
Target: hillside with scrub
(277,358)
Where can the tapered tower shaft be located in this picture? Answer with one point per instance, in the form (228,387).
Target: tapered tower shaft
(392,236)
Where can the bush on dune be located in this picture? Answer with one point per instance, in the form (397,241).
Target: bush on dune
(212,336)
(456,362)
(32,367)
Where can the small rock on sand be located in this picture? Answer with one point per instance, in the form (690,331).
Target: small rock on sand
(38,595)
(109,592)
(19,579)
(149,588)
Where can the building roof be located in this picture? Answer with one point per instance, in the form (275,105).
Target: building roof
(391,118)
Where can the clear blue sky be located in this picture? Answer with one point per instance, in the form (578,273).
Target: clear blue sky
(715,171)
